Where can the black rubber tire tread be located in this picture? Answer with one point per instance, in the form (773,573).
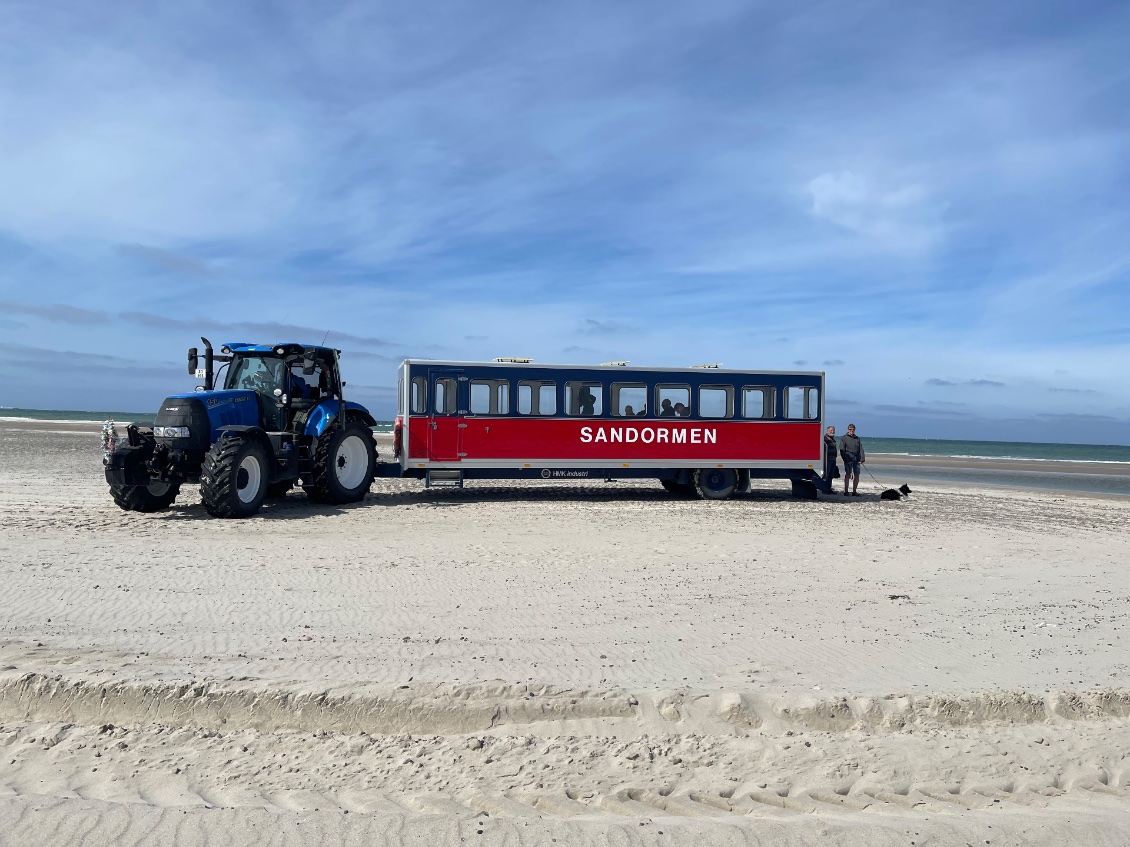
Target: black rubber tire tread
(706,493)
(218,478)
(322,485)
(279,489)
(679,489)
(138,498)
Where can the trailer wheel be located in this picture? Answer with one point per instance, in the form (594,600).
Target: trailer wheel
(715,483)
(343,467)
(233,480)
(153,497)
(679,489)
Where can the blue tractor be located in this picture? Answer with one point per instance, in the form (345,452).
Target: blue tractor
(279,418)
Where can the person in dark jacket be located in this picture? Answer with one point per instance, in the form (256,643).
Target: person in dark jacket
(830,468)
(851,451)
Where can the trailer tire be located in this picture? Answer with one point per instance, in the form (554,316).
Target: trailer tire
(679,489)
(715,483)
(153,497)
(345,461)
(233,479)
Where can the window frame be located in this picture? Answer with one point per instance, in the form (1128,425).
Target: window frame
(768,402)
(454,394)
(420,383)
(614,390)
(805,403)
(660,386)
(729,391)
(493,396)
(591,384)
(535,407)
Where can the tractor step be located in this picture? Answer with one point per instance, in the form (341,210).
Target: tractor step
(444,476)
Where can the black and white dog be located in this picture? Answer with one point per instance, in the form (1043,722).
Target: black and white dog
(896,493)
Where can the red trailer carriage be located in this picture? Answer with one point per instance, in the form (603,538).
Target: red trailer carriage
(703,430)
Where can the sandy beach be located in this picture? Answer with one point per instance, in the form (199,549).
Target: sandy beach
(581,664)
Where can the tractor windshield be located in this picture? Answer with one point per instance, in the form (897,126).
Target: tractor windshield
(262,374)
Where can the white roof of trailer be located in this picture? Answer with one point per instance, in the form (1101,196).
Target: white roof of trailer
(611,368)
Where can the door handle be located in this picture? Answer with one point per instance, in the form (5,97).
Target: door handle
(435,425)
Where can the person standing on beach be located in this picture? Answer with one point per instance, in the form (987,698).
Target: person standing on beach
(851,451)
(830,469)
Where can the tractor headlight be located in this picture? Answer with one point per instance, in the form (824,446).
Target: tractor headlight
(171,431)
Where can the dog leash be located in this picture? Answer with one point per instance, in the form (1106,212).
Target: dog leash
(873,476)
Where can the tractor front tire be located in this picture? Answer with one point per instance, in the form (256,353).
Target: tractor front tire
(343,466)
(153,497)
(233,480)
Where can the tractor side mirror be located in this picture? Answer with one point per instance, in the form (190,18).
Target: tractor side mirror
(309,364)
(193,360)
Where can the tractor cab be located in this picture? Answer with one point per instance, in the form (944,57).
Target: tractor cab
(288,380)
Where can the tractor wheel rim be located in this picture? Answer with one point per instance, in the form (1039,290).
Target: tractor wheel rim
(351,462)
(247,479)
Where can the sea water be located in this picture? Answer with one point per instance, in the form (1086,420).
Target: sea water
(999,449)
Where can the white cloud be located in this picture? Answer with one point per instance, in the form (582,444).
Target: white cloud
(902,219)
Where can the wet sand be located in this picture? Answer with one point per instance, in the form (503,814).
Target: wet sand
(527,662)
(1026,465)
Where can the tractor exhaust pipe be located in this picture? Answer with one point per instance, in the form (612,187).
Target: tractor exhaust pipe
(208,362)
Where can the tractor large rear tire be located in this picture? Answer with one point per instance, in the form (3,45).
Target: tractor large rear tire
(233,480)
(153,497)
(343,466)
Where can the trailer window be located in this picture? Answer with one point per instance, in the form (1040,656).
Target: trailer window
(419,400)
(716,401)
(537,397)
(583,398)
(673,401)
(447,395)
(802,403)
(758,402)
(629,399)
(490,397)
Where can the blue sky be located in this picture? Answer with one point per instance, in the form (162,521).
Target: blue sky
(927,201)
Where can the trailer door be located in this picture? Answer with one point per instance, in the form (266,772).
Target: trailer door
(448,408)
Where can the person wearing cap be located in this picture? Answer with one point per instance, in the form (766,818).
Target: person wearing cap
(851,451)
